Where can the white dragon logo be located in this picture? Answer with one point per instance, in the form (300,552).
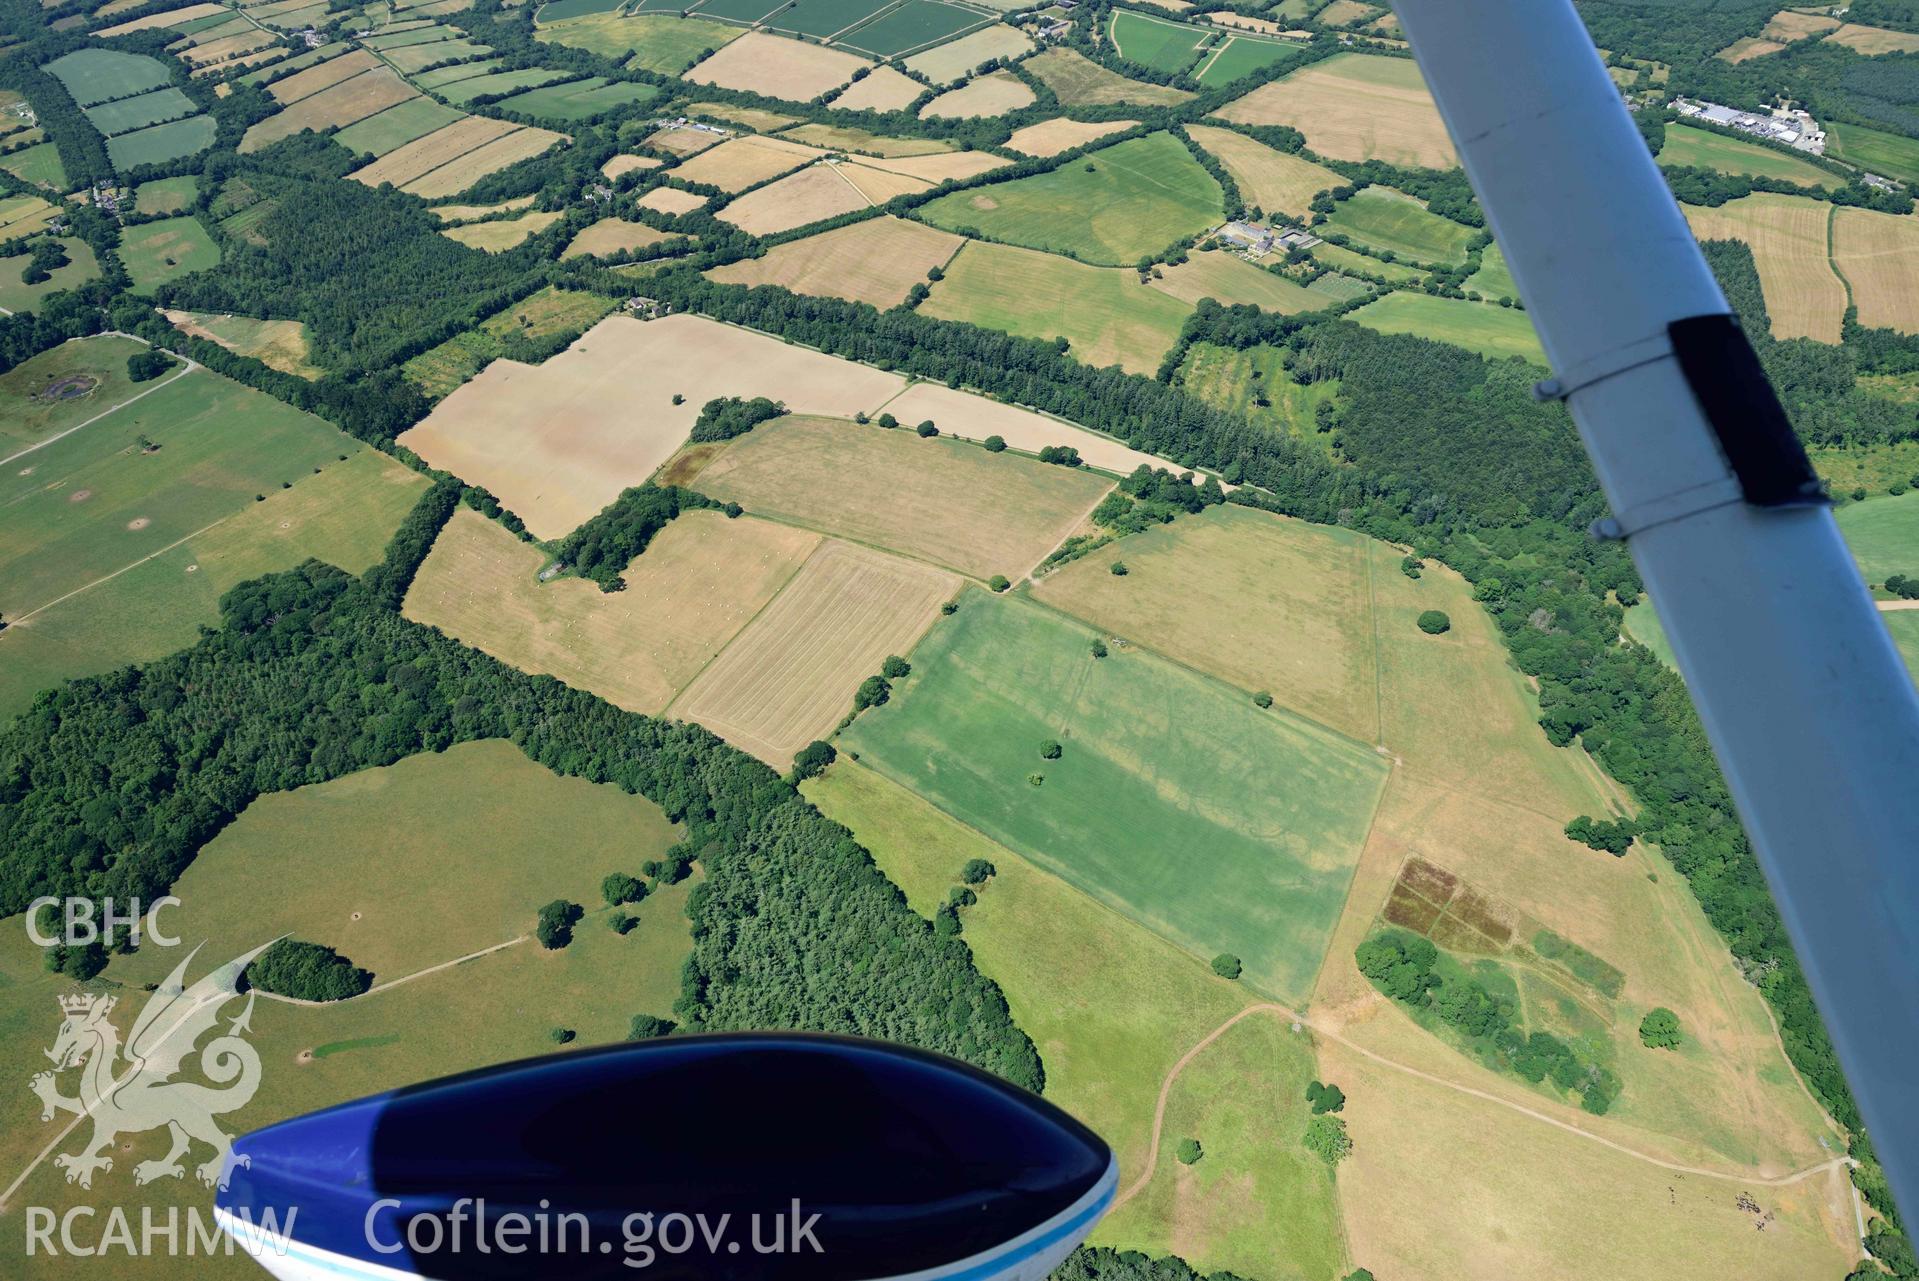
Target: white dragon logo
(132,1091)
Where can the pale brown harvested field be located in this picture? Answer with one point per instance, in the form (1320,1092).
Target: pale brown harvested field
(272,53)
(503,234)
(807,196)
(875,261)
(620,166)
(789,677)
(746,162)
(1050,137)
(935,169)
(1747,48)
(942,501)
(423,155)
(171,18)
(1788,239)
(880,185)
(324,75)
(1267,177)
(341,104)
(1354,107)
(1787,25)
(613,236)
(1341,12)
(846,139)
(697,584)
(1245,23)
(671,200)
(684,142)
(946,63)
(557,442)
(1445,1187)
(234,46)
(776,67)
(457,175)
(1878,254)
(1873,40)
(465,213)
(989,95)
(885,89)
(971,417)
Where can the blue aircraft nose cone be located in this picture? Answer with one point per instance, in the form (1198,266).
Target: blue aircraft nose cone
(784,1157)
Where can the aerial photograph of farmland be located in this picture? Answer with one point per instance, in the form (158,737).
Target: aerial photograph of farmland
(1044,534)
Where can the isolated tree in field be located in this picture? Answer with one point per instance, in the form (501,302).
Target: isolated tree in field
(873,692)
(622,923)
(1325,1098)
(1326,1138)
(1659,1030)
(1119,569)
(620,888)
(148,365)
(1411,566)
(733,511)
(927,429)
(1099,648)
(894,667)
(1434,622)
(554,928)
(962,896)
(1360,1274)
(561,1035)
(1226,965)
(810,761)
(976,871)
(998,582)
(1614,837)
(995,444)
(1050,749)
(1188,1151)
(645,1027)
(949,607)
(1036,778)
(887,420)
(1262,699)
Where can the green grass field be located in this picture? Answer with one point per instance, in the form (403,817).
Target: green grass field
(28,415)
(95,75)
(657,42)
(1385,221)
(39,165)
(464,91)
(166,195)
(1904,626)
(1884,535)
(1111,1008)
(1110,207)
(396,126)
(578,99)
(1643,625)
(1888,154)
(471,883)
(1104,313)
(158,252)
(1219,826)
(1494,279)
(97,500)
(1340,258)
(915,25)
(1156,42)
(1225,378)
(343,516)
(162,143)
(141,110)
(1241,56)
(1704,149)
(1492,331)
(17,295)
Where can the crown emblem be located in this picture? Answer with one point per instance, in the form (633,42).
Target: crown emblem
(84,1003)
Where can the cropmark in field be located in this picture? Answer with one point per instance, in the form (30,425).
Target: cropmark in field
(1218,825)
